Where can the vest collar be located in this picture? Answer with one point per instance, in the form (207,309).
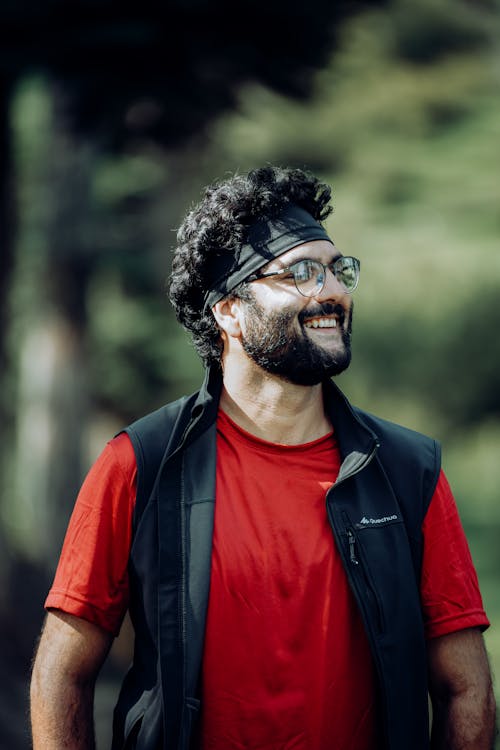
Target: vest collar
(352,433)
(206,404)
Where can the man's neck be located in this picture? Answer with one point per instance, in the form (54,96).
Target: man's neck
(272,408)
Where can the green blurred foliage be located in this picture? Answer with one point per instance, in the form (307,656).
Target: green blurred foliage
(404,122)
(409,140)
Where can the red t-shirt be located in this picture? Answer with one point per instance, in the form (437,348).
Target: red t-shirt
(273,674)
(286,661)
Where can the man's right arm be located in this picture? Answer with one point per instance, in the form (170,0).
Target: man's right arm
(68,659)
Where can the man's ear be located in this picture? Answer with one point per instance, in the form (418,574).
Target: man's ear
(227,313)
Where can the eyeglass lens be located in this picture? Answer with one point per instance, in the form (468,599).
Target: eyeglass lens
(310,275)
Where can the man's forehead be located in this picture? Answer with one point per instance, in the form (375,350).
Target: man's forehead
(321,250)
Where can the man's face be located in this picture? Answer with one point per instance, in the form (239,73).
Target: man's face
(300,339)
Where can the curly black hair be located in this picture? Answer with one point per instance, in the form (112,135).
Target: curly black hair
(217,226)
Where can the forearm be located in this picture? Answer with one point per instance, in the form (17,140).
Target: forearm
(461,689)
(61,713)
(464,721)
(68,660)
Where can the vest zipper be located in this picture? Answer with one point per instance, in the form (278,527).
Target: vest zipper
(183,583)
(354,569)
(360,571)
(352,547)
(183,607)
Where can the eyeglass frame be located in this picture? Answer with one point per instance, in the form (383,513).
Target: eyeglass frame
(325,266)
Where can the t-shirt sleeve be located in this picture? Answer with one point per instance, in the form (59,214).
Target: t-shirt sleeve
(451,599)
(91,579)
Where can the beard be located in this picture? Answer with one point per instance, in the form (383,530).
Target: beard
(273,342)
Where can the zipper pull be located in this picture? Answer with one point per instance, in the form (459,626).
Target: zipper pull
(352,544)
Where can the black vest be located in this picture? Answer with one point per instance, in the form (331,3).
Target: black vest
(376,508)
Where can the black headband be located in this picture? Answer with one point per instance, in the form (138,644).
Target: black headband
(266,239)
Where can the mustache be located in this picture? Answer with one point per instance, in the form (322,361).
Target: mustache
(326,309)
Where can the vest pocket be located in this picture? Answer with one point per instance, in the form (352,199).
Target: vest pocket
(359,573)
(372,596)
(383,553)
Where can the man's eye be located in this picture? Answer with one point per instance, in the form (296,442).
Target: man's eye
(302,271)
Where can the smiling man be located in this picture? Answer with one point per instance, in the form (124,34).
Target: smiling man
(273,342)
(295,568)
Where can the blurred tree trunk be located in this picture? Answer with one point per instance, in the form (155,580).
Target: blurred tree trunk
(7,222)
(52,403)
(17,580)
(7,203)
(44,319)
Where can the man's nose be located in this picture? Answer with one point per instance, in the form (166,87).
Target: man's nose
(332,288)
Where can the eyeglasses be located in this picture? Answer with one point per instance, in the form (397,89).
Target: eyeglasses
(310,275)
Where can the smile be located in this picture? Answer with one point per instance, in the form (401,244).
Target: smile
(321,323)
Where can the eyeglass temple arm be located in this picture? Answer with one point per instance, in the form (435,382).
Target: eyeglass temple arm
(257,276)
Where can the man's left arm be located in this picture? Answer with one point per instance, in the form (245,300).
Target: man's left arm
(460,686)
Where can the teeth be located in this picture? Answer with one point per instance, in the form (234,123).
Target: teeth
(322,323)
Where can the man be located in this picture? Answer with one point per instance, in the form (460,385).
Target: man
(295,568)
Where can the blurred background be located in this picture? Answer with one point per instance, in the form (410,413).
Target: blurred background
(113,118)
